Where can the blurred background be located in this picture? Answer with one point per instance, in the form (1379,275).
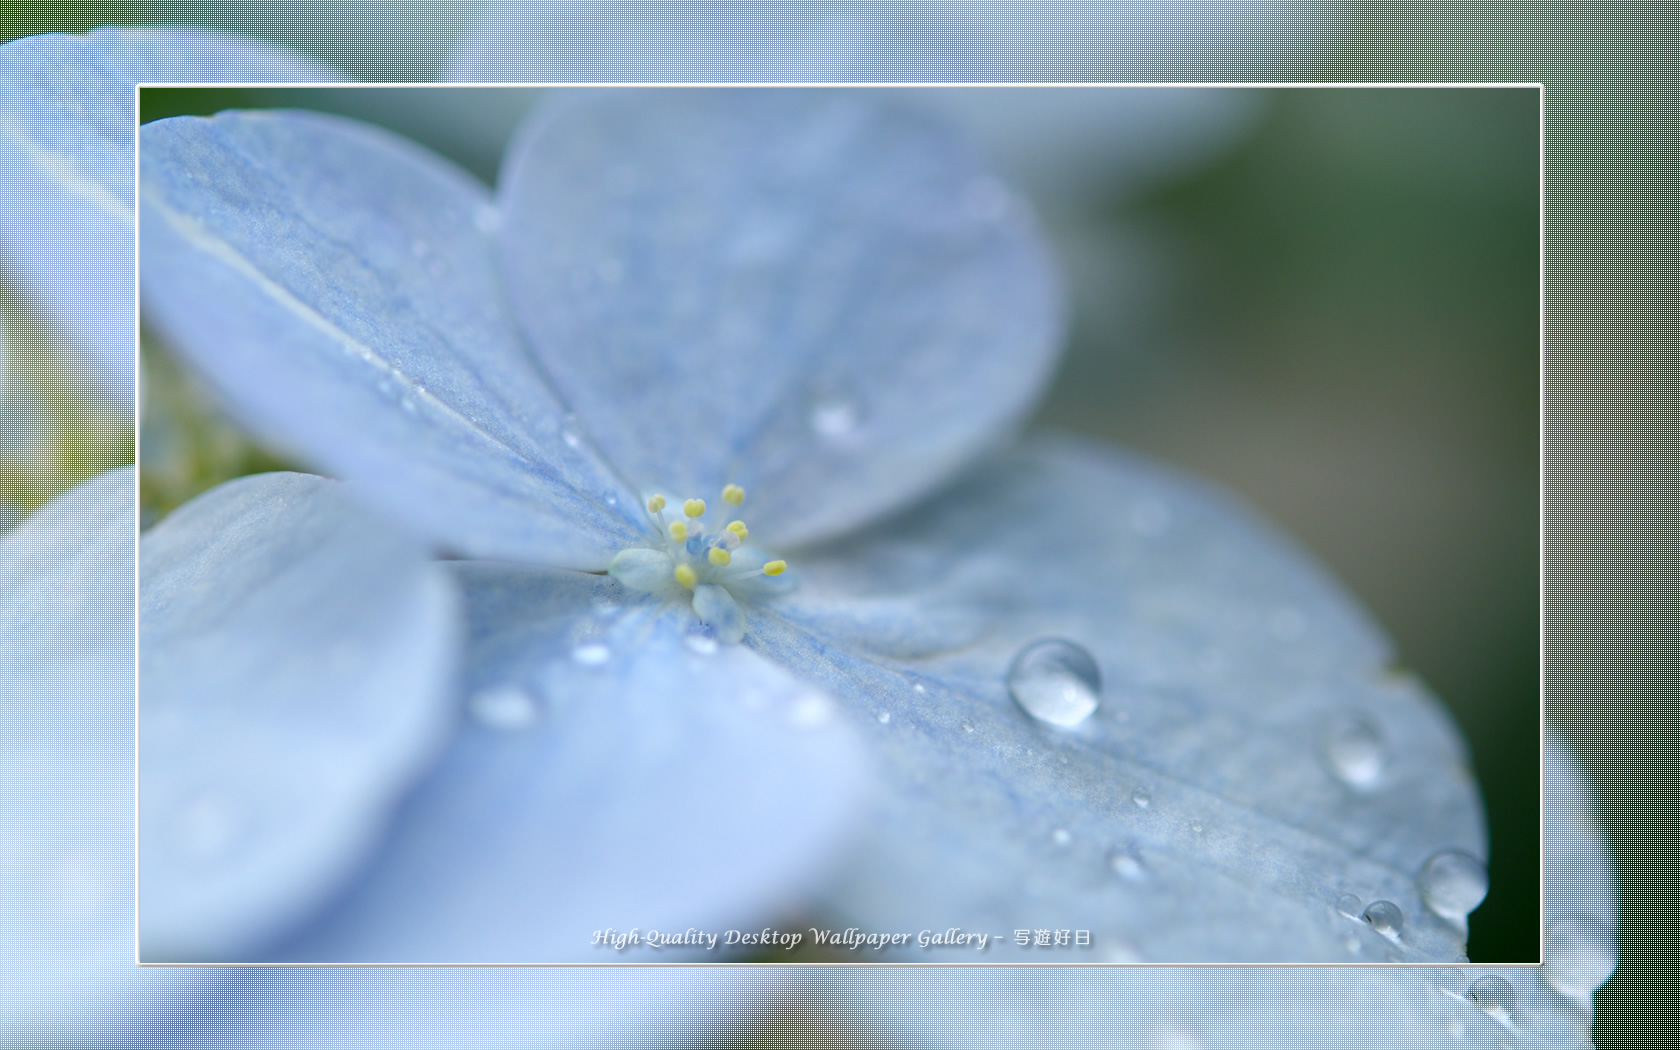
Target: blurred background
(1333,312)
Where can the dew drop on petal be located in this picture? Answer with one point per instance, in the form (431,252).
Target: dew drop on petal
(701,640)
(918,688)
(591,654)
(834,414)
(571,438)
(1055,681)
(1355,751)
(1126,864)
(1061,836)
(1385,917)
(505,707)
(1580,956)
(883,717)
(1494,995)
(967,726)
(1349,905)
(1140,798)
(1453,884)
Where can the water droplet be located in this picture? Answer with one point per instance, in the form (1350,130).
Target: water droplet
(1150,518)
(1140,798)
(1385,917)
(505,707)
(408,404)
(1055,681)
(1494,995)
(1127,864)
(1196,827)
(1355,751)
(208,827)
(592,654)
(1580,955)
(834,415)
(918,688)
(571,438)
(883,717)
(967,726)
(1453,884)
(810,711)
(1061,836)
(1349,905)
(701,640)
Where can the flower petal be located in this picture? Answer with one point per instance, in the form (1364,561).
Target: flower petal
(336,283)
(67,162)
(296,661)
(819,295)
(67,731)
(609,777)
(1291,1008)
(1252,761)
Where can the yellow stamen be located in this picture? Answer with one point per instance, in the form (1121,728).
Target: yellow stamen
(679,531)
(739,528)
(656,504)
(685,574)
(775,568)
(718,556)
(694,507)
(734,494)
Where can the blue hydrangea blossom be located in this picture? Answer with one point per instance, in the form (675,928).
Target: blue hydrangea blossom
(827,306)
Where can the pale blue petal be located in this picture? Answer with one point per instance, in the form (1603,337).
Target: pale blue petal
(821,296)
(1286,1008)
(296,663)
(336,283)
(67,167)
(612,774)
(1198,815)
(66,799)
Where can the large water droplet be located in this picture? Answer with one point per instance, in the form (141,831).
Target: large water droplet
(505,707)
(1355,751)
(1385,917)
(883,717)
(1348,905)
(1453,884)
(1140,798)
(1055,681)
(1494,995)
(1127,864)
(834,414)
(1580,955)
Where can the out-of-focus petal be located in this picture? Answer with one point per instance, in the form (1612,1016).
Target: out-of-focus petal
(820,295)
(66,729)
(613,774)
(296,664)
(1236,1007)
(1254,778)
(67,166)
(336,283)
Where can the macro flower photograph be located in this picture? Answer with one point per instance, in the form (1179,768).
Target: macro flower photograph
(696,525)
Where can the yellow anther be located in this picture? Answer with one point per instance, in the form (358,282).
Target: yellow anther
(679,531)
(684,574)
(734,494)
(775,568)
(718,556)
(739,528)
(694,507)
(656,504)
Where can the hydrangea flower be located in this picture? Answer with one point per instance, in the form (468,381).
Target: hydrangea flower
(829,306)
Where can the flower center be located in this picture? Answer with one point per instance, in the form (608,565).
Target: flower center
(695,563)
